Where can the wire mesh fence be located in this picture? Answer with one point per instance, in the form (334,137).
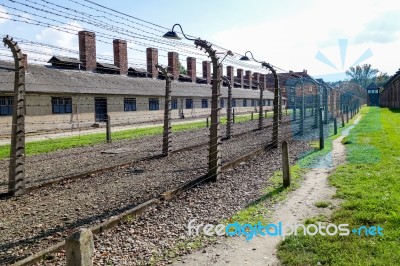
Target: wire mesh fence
(108,126)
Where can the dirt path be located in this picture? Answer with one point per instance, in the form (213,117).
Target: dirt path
(299,205)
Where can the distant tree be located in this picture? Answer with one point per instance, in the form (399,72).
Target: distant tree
(381,79)
(182,69)
(362,75)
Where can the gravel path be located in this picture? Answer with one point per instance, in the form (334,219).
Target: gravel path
(34,221)
(162,227)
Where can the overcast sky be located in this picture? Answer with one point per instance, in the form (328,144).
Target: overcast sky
(288,34)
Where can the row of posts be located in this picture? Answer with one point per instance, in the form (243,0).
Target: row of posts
(17,153)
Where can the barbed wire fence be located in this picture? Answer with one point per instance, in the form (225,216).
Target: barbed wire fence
(218,128)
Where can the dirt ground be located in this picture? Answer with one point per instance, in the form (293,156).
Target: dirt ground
(299,205)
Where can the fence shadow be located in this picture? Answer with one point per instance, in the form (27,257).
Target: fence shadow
(394,110)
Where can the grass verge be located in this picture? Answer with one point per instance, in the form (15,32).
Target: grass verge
(369,184)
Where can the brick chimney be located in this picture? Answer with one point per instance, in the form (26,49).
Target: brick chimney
(305,71)
(25,62)
(221,72)
(191,68)
(87,50)
(121,56)
(239,72)
(248,77)
(256,78)
(207,71)
(230,74)
(173,65)
(152,61)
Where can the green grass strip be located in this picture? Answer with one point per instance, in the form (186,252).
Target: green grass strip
(369,185)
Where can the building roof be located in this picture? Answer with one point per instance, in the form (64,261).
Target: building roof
(392,79)
(290,79)
(372,86)
(64,60)
(50,80)
(106,66)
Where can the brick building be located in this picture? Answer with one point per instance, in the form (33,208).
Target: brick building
(78,92)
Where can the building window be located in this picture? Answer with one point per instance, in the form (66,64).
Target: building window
(310,88)
(154,104)
(269,102)
(204,103)
(189,103)
(244,102)
(174,104)
(264,103)
(283,89)
(222,103)
(129,104)
(61,105)
(233,102)
(6,104)
(252,102)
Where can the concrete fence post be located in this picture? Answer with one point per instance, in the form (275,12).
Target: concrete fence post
(108,129)
(334,126)
(252,116)
(16,181)
(79,248)
(321,130)
(316,110)
(285,164)
(207,123)
(167,111)
(261,109)
(229,109)
(342,120)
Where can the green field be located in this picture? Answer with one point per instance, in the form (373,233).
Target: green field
(369,185)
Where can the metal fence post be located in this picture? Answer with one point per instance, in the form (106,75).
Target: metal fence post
(167,111)
(16,182)
(108,129)
(207,123)
(347,114)
(321,130)
(252,116)
(233,115)
(285,164)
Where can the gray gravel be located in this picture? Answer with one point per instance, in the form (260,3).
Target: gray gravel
(34,221)
(162,227)
(56,165)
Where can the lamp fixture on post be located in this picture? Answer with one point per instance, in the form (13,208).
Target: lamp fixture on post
(214,159)
(277,103)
